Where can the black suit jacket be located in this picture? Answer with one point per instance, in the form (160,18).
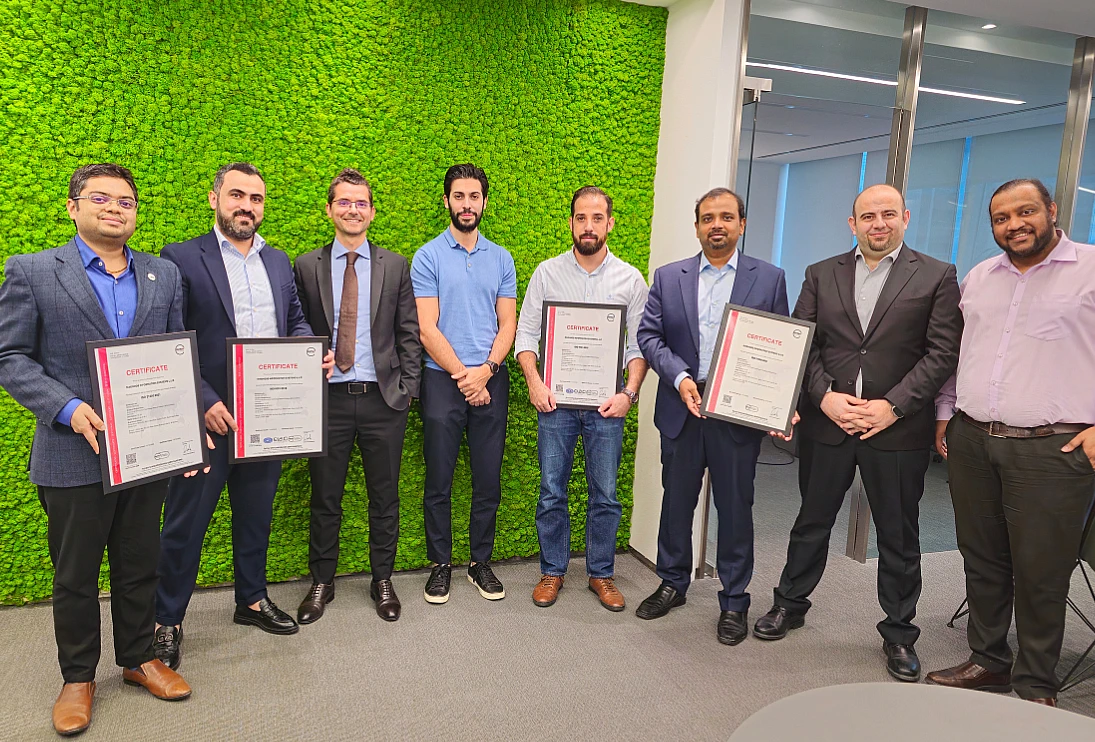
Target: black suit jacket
(907,352)
(393,316)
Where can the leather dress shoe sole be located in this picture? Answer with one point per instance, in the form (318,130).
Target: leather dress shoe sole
(248,621)
(793,622)
(172,699)
(903,677)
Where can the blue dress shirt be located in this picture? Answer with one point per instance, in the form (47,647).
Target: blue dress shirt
(716,285)
(117,298)
(364,368)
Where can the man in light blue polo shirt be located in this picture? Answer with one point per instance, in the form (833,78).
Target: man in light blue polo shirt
(465,287)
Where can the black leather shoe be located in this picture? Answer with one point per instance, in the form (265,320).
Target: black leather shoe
(167,646)
(902,662)
(776,623)
(268,617)
(311,608)
(437,586)
(387,603)
(660,603)
(733,627)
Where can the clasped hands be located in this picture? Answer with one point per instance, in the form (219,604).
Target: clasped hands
(472,383)
(854,415)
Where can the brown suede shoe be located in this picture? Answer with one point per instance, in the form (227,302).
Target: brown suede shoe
(72,711)
(157,679)
(972,677)
(547,590)
(1051,702)
(606,591)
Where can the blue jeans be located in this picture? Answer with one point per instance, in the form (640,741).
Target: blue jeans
(603,441)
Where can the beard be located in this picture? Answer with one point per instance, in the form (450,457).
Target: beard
(885,248)
(466,228)
(231,227)
(589,248)
(726,245)
(1043,238)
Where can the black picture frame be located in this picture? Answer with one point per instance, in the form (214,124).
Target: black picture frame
(617,382)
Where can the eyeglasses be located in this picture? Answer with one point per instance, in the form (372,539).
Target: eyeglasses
(100,199)
(343,203)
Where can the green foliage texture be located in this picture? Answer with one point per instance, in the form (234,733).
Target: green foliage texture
(547,96)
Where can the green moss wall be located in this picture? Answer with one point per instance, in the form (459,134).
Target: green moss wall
(546,95)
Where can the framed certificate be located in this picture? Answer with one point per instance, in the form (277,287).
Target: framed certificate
(277,392)
(756,370)
(582,352)
(146,390)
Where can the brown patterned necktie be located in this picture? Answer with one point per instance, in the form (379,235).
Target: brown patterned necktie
(346,345)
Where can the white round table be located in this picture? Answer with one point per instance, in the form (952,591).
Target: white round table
(908,712)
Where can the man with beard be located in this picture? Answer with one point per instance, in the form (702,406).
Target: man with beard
(588,273)
(465,287)
(234,285)
(888,328)
(679,329)
(1018,428)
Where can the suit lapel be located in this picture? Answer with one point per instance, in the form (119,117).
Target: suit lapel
(73,277)
(844,272)
(214,263)
(900,273)
(743,281)
(280,312)
(376,282)
(146,287)
(326,286)
(690,277)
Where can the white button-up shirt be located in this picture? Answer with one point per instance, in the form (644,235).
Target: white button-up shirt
(252,295)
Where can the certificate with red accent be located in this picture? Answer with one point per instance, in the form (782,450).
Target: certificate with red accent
(582,352)
(756,370)
(146,390)
(277,392)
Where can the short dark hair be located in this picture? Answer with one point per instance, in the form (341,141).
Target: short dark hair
(590,190)
(856,199)
(715,193)
(83,174)
(240,167)
(1011,185)
(351,176)
(456,172)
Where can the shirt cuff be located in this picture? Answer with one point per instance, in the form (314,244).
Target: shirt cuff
(64,417)
(681,377)
(944,411)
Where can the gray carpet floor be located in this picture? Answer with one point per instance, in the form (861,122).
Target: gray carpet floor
(505,670)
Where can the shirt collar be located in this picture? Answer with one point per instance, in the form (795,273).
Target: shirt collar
(89,256)
(450,240)
(574,261)
(256,245)
(732,264)
(1065,252)
(338,250)
(892,257)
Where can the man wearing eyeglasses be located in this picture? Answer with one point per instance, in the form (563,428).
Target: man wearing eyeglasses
(52,302)
(360,296)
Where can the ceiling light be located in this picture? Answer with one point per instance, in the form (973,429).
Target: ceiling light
(877,81)
(989,26)
(1085,190)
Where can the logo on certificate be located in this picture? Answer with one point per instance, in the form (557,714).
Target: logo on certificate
(310,351)
(180,349)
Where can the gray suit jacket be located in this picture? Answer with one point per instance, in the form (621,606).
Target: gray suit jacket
(393,316)
(48,311)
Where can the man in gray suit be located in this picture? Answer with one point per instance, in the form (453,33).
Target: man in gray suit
(51,303)
(360,296)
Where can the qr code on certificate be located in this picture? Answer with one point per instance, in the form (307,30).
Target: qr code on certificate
(130,459)
(728,399)
(254,438)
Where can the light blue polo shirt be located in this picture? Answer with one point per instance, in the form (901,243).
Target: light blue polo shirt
(467,286)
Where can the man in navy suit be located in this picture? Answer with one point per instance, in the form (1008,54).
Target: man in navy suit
(234,285)
(677,337)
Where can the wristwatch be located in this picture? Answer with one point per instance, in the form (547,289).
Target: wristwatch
(896,411)
(492,366)
(633,396)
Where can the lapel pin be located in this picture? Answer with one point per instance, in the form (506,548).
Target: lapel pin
(151,276)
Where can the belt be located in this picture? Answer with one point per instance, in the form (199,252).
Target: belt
(353,387)
(999,430)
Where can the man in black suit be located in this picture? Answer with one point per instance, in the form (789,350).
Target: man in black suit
(888,331)
(360,295)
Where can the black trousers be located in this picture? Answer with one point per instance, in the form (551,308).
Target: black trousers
(445,417)
(730,454)
(187,512)
(378,431)
(82,521)
(894,484)
(1019,508)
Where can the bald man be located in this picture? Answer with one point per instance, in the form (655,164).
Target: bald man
(888,332)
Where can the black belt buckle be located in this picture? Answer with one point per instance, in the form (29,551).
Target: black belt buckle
(356,387)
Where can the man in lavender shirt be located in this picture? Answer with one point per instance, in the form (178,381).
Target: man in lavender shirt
(1018,427)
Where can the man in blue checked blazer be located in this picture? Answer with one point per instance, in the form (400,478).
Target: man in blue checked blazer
(51,303)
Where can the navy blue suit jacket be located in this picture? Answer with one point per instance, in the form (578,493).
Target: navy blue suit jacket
(208,308)
(669,335)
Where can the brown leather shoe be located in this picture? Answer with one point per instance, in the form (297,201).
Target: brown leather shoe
(157,679)
(606,591)
(972,677)
(72,710)
(547,590)
(1051,702)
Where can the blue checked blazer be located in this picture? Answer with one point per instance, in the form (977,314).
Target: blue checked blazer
(48,311)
